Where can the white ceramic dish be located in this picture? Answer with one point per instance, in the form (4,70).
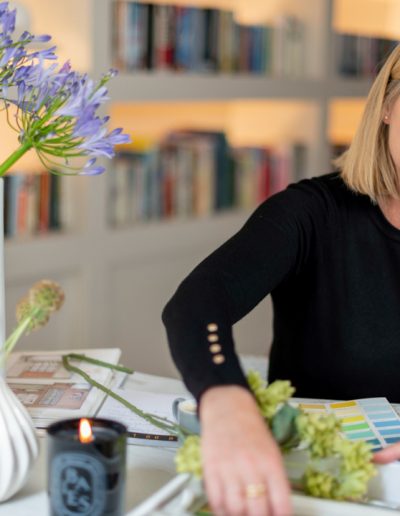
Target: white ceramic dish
(180,494)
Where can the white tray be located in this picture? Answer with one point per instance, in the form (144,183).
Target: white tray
(182,492)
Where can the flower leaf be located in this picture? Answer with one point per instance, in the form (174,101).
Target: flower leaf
(283,425)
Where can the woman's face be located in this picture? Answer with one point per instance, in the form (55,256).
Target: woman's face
(393,121)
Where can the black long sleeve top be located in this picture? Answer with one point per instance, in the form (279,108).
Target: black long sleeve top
(331,262)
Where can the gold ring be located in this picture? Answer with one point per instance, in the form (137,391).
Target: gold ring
(255,490)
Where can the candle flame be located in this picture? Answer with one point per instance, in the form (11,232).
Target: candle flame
(85,431)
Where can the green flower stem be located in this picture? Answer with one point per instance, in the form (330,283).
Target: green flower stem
(14,157)
(18,331)
(84,358)
(167,425)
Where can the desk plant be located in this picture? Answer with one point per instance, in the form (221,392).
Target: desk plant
(54,110)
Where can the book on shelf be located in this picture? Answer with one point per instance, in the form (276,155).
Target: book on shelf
(164,40)
(361,56)
(33,204)
(195,173)
(289,45)
(149,36)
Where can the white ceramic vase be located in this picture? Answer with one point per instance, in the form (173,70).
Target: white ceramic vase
(18,442)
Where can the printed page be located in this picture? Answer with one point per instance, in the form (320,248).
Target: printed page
(58,400)
(46,367)
(141,431)
(69,402)
(49,392)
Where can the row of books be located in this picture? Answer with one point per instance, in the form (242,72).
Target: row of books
(361,56)
(32,204)
(166,37)
(197,173)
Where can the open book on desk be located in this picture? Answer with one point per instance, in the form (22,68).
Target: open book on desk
(141,431)
(50,392)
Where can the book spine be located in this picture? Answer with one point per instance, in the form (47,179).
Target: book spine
(44,202)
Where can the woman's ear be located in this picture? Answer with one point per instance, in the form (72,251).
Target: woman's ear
(386,118)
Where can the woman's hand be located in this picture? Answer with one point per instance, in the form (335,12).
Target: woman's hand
(243,468)
(388,454)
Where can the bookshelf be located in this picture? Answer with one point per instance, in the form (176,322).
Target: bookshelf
(118,280)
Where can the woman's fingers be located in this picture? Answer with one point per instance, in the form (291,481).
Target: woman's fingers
(277,485)
(215,492)
(245,487)
(244,476)
(225,496)
(255,492)
(235,503)
(258,504)
(387,455)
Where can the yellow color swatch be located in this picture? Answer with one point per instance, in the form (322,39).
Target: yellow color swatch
(354,419)
(343,404)
(313,406)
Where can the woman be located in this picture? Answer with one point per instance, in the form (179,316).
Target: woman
(327,249)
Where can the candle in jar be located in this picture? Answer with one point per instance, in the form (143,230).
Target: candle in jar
(86,467)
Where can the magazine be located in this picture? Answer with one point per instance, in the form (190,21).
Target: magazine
(50,392)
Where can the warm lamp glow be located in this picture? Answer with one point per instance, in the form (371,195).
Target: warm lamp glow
(68,22)
(372,18)
(245,122)
(85,431)
(344,117)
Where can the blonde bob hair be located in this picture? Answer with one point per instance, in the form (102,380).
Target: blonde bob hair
(367,166)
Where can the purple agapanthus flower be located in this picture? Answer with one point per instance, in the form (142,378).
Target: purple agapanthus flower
(56,106)
(15,53)
(58,116)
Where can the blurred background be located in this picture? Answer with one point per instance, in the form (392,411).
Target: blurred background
(227,101)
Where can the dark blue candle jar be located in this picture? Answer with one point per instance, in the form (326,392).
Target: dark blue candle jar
(86,467)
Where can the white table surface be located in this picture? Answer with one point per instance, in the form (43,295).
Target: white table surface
(149,468)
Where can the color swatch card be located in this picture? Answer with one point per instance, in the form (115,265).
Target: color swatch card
(371,419)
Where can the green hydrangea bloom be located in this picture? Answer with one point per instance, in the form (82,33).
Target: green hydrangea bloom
(269,398)
(319,483)
(349,479)
(356,469)
(320,432)
(337,468)
(188,457)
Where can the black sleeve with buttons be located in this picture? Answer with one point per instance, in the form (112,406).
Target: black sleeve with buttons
(266,253)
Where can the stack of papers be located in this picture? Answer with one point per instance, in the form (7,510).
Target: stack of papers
(50,392)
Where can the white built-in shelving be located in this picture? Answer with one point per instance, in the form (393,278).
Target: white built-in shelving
(117,281)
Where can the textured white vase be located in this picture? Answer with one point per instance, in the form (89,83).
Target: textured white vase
(18,442)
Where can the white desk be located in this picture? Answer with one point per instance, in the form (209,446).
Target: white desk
(149,468)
